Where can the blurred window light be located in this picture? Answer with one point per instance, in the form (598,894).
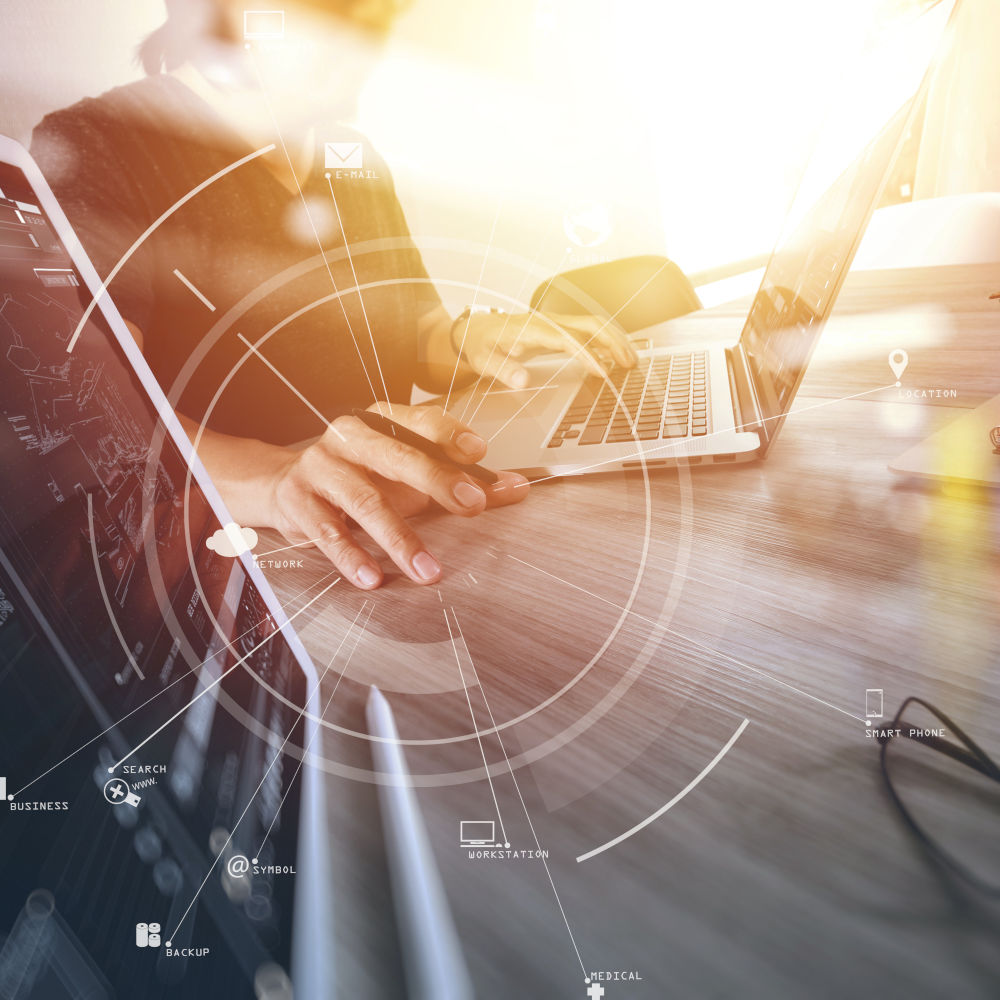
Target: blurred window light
(692,122)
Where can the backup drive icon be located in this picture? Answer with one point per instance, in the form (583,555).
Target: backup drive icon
(147,935)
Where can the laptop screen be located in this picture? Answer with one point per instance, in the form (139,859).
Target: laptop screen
(126,640)
(830,211)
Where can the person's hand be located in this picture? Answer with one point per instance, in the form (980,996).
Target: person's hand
(494,344)
(354,472)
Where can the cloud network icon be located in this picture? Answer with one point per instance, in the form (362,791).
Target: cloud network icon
(232,540)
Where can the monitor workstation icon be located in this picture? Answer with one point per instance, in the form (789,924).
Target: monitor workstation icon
(477,833)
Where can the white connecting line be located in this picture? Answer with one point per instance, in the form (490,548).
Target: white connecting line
(686,638)
(285,548)
(274,759)
(517,787)
(225,673)
(357,286)
(104,590)
(475,729)
(319,242)
(583,345)
(326,707)
(510,352)
(475,300)
(680,442)
(230,645)
(289,385)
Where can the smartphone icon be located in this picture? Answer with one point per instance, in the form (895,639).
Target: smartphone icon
(874,702)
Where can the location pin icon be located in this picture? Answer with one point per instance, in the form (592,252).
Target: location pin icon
(898,360)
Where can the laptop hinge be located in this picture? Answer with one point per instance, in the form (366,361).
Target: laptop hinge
(746,409)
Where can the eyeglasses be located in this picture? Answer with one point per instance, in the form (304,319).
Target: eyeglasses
(947,791)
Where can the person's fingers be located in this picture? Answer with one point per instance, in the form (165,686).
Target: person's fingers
(600,333)
(394,459)
(510,488)
(541,332)
(460,442)
(571,333)
(325,527)
(323,487)
(359,498)
(499,365)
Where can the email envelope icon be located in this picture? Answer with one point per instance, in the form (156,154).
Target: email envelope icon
(348,155)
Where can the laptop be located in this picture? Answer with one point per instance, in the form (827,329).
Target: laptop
(163,817)
(723,402)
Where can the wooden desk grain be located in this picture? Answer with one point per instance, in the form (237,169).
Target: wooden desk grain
(776,592)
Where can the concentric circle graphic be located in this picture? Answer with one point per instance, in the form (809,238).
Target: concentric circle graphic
(229,322)
(330,607)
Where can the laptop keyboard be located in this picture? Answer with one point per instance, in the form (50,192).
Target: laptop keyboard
(661,397)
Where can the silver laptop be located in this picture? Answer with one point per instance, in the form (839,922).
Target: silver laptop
(154,702)
(724,402)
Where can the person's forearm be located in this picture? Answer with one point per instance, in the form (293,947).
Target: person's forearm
(437,357)
(244,471)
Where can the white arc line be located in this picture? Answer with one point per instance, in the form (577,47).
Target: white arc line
(680,795)
(222,676)
(194,291)
(104,592)
(236,825)
(162,691)
(123,260)
(475,724)
(517,788)
(693,642)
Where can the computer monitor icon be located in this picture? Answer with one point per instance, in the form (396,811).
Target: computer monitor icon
(263,25)
(476,833)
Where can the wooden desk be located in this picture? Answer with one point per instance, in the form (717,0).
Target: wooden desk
(776,592)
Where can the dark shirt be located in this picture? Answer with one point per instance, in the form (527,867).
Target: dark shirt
(119,162)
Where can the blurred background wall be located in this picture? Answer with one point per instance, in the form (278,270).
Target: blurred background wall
(571,131)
